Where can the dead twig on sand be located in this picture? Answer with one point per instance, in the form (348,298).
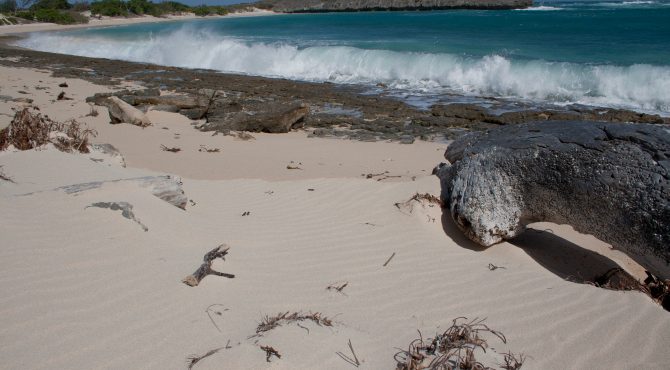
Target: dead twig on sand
(408,205)
(493,267)
(269,352)
(372,175)
(453,349)
(289,167)
(173,150)
(388,260)
(354,361)
(206,268)
(338,287)
(210,309)
(268,323)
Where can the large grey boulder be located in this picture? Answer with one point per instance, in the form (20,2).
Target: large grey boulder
(605,179)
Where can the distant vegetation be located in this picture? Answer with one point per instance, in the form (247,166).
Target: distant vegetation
(63,12)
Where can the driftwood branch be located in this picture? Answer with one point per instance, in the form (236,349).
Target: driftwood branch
(206,267)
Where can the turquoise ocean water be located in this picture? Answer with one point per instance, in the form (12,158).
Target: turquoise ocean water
(602,53)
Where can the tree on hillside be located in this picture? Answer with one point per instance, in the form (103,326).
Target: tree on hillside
(51,4)
(8,6)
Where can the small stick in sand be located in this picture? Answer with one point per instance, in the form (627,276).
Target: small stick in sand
(493,267)
(206,267)
(338,288)
(389,260)
(194,359)
(354,361)
(269,352)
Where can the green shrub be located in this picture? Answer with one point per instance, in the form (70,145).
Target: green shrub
(80,6)
(201,11)
(110,8)
(54,16)
(51,4)
(8,6)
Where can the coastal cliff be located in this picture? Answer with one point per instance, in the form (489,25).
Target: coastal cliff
(314,6)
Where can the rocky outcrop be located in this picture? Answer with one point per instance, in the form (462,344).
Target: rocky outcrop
(271,117)
(608,180)
(311,6)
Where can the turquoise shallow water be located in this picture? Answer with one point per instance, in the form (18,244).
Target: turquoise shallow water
(614,53)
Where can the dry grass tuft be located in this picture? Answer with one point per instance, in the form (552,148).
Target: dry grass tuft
(29,131)
(453,349)
(93,112)
(512,361)
(268,323)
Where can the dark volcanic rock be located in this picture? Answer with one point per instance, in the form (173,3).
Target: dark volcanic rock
(306,6)
(608,180)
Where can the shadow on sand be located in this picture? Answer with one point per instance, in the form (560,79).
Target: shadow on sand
(563,258)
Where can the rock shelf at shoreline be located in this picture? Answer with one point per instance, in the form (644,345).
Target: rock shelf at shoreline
(334,110)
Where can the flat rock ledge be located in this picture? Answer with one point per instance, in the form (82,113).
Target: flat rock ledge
(605,179)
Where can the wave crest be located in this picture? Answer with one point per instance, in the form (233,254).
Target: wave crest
(640,87)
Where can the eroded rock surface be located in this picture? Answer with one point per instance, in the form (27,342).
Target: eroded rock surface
(608,180)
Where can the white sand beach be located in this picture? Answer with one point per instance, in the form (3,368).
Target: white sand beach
(85,288)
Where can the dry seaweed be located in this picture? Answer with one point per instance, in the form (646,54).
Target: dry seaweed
(270,322)
(453,349)
(28,131)
(408,205)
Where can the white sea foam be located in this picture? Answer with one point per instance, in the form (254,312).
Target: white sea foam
(540,8)
(641,87)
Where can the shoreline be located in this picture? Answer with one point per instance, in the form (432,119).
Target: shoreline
(8,30)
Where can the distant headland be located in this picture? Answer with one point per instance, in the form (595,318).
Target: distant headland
(316,6)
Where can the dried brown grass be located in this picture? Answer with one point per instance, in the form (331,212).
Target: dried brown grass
(29,130)
(453,349)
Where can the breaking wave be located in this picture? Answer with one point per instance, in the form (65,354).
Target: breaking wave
(639,87)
